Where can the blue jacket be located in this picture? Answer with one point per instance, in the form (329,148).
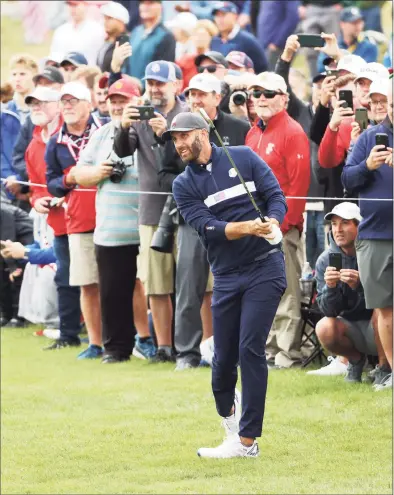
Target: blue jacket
(21,144)
(208,200)
(242,42)
(157,45)
(276,21)
(10,127)
(363,47)
(377,216)
(343,300)
(40,256)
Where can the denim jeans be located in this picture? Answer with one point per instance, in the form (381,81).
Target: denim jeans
(315,236)
(68,297)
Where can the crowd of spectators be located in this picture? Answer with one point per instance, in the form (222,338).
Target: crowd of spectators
(87,176)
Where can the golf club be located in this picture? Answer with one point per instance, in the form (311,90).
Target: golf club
(276,231)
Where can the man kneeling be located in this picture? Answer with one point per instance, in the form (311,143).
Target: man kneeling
(347,329)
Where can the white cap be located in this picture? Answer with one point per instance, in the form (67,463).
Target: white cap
(77,90)
(380,86)
(206,83)
(184,20)
(346,210)
(270,81)
(116,11)
(373,71)
(351,63)
(43,93)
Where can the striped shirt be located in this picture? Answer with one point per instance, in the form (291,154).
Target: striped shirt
(116,211)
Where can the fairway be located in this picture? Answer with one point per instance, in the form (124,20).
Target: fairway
(84,428)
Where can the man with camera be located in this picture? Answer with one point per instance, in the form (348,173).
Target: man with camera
(137,132)
(116,236)
(346,329)
(369,171)
(281,142)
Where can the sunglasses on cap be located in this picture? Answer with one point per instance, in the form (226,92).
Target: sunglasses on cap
(268,93)
(210,68)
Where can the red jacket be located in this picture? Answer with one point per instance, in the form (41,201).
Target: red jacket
(334,145)
(189,69)
(36,169)
(284,146)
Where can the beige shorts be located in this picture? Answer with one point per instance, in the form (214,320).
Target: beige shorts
(83,264)
(155,270)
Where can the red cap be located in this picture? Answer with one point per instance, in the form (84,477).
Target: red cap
(124,87)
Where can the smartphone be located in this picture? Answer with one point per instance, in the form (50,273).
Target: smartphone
(122,39)
(53,202)
(146,112)
(362,118)
(335,260)
(332,72)
(382,138)
(347,96)
(310,40)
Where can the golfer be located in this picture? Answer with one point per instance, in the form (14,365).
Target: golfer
(249,271)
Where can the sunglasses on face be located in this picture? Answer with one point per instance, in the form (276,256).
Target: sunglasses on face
(268,93)
(210,68)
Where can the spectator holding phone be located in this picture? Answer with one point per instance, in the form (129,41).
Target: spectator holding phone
(369,171)
(346,329)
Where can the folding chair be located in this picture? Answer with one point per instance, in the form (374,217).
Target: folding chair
(310,315)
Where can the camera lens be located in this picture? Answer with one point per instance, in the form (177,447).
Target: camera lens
(239,98)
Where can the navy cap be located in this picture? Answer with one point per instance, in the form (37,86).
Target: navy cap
(51,73)
(178,71)
(160,70)
(74,58)
(224,7)
(216,57)
(351,14)
(185,122)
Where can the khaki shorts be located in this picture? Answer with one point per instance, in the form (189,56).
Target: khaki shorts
(155,270)
(83,264)
(362,334)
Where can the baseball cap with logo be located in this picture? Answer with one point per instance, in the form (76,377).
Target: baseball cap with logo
(380,86)
(351,14)
(77,90)
(160,70)
(216,57)
(224,7)
(184,122)
(74,58)
(351,63)
(346,210)
(206,83)
(50,73)
(270,81)
(116,11)
(373,71)
(43,93)
(123,87)
(240,59)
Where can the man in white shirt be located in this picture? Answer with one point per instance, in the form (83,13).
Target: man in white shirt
(79,34)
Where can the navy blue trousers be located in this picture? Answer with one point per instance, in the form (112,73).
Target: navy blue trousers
(244,304)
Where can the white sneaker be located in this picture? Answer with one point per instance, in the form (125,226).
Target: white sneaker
(335,368)
(231,423)
(231,447)
(386,385)
(52,333)
(206,350)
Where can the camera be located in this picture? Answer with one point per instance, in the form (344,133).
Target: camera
(239,97)
(163,238)
(118,171)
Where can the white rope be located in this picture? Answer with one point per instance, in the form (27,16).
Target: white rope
(167,193)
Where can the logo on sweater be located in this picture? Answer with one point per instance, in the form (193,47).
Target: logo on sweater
(232,173)
(270,148)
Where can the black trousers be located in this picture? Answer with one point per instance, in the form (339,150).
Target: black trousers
(117,267)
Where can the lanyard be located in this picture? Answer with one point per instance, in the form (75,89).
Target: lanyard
(70,144)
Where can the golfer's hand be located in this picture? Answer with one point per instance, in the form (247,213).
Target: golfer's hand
(331,277)
(350,277)
(262,229)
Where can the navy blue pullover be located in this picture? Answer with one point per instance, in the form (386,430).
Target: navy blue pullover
(208,200)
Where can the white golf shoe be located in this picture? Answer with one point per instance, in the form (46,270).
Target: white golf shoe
(334,368)
(231,447)
(231,423)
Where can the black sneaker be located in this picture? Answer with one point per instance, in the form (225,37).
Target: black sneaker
(379,374)
(110,359)
(163,357)
(61,344)
(355,370)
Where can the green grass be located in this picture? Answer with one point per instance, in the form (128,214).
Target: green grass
(85,428)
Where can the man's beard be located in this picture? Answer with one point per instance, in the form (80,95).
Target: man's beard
(39,120)
(195,150)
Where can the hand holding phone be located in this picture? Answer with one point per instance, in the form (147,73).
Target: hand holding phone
(310,40)
(380,153)
(346,96)
(362,118)
(335,261)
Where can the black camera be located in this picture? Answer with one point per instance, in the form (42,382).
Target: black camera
(118,171)
(163,238)
(239,97)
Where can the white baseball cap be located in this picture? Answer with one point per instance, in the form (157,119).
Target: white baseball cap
(43,93)
(346,210)
(77,90)
(373,71)
(380,86)
(116,11)
(270,81)
(351,63)
(206,83)
(184,20)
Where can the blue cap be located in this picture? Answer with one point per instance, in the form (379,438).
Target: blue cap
(178,71)
(224,7)
(160,70)
(351,14)
(75,58)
